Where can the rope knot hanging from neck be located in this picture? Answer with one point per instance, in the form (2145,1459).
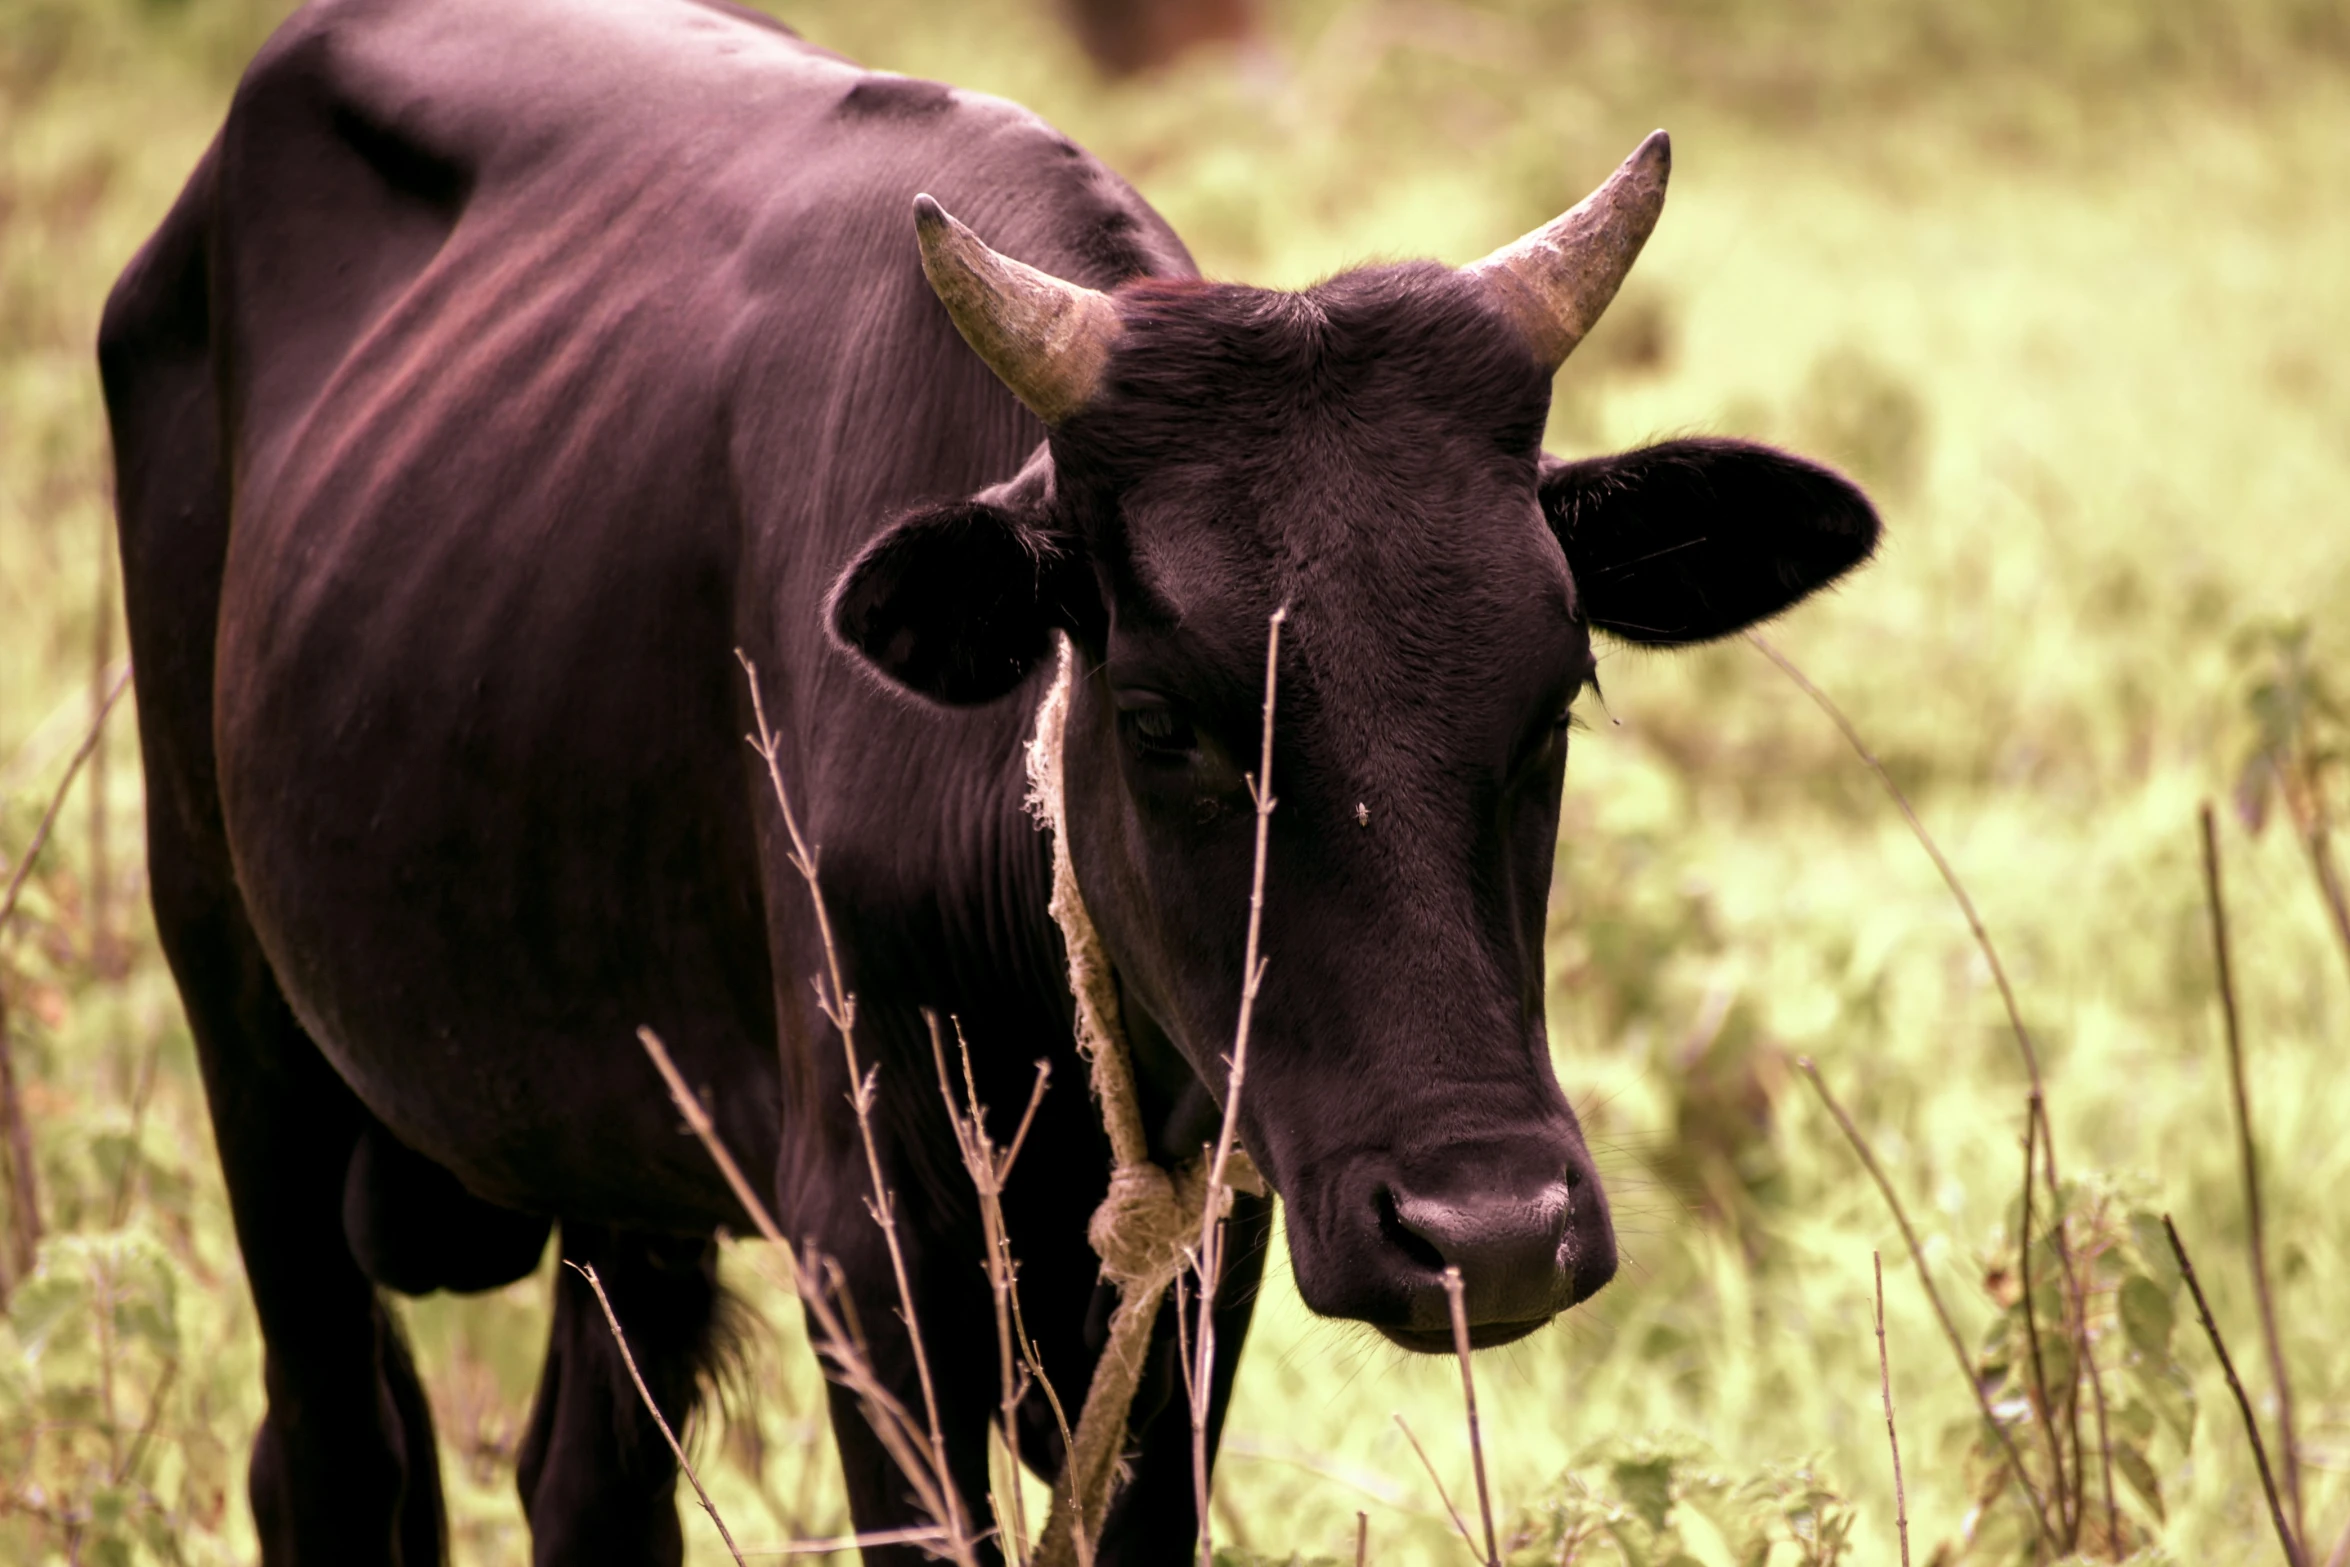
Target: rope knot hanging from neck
(1145,1228)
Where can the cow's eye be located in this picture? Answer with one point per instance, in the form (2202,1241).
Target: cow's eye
(1158,729)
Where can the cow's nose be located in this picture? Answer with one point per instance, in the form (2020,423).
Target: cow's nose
(1510,1246)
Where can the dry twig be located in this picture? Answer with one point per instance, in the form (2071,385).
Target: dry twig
(1917,1256)
(1966,904)
(17,1258)
(988,1171)
(840,1008)
(2288,1447)
(840,1544)
(1437,1480)
(837,1337)
(1458,1308)
(2339,1556)
(1363,1539)
(1200,1385)
(1892,1436)
(2276,1512)
(2023,1263)
(2024,1046)
(587,1271)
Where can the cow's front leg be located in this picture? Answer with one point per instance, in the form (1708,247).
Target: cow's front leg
(957,1320)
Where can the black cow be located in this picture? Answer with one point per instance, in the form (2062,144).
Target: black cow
(505,367)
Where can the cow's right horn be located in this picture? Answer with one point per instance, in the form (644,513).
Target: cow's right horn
(1558,279)
(1045,338)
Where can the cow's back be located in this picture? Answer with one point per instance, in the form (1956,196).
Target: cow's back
(559,350)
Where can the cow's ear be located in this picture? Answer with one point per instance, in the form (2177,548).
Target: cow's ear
(1692,540)
(958,602)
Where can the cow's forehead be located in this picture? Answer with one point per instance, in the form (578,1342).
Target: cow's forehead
(1452,602)
(1365,452)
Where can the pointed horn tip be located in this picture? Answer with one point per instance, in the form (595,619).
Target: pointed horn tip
(1651,163)
(928,213)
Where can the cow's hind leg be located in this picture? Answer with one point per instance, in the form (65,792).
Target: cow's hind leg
(598,1481)
(344,1469)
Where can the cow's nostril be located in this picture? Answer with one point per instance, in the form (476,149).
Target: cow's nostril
(1404,1238)
(1508,1245)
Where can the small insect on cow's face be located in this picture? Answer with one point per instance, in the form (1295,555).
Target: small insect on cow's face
(1364,455)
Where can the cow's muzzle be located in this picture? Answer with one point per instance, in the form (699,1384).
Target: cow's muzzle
(1528,1229)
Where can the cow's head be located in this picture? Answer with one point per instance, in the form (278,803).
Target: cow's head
(1368,453)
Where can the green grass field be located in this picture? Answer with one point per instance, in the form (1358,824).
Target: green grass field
(2065,285)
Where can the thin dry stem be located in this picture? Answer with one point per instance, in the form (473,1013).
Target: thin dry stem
(1892,1435)
(841,1009)
(15,1129)
(2276,1512)
(2023,1263)
(2289,1449)
(1457,1306)
(838,1339)
(1966,904)
(988,1171)
(1917,1256)
(48,823)
(1437,1480)
(1210,1259)
(146,1433)
(587,1271)
(919,1534)
(2339,1556)
(103,956)
(2023,1039)
(2113,1515)
(1363,1539)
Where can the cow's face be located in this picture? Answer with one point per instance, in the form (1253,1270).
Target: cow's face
(1366,454)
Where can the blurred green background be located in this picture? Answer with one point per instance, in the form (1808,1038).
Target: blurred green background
(2067,284)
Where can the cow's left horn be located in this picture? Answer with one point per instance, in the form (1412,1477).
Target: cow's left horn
(1558,279)
(1045,338)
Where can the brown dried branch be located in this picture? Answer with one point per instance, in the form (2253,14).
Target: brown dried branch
(840,1008)
(103,954)
(2024,1046)
(1210,1258)
(2088,1358)
(1363,1539)
(1966,904)
(587,1271)
(988,1171)
(838,1339)
(1457,1306)
(48,823)
(2023,1263)
(2276,1512)
(2339,1556)
(1892,1435)
(841,1544)
(16,1259)
(1917,1256)
(1437,1480)
(2289,1450)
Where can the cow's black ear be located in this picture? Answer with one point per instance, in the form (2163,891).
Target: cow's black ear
(957,602)
(1691,540)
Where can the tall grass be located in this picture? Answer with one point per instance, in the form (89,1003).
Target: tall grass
(2062,284)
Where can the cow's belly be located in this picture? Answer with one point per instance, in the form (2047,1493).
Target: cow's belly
(488,813)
